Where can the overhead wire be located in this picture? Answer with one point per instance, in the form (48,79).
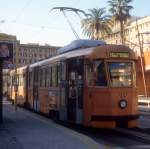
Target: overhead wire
(71,26)
(34,26)
(22,10)
(76,11)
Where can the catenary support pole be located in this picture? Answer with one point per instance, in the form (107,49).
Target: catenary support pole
(142,59)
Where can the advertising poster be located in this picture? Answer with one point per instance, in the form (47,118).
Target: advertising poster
(6,54)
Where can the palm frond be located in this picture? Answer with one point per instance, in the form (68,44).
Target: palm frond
(96,24)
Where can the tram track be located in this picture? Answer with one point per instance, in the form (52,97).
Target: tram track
(136,134)
(119,137)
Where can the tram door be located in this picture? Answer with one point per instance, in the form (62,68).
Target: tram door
(35,90)
(75,90)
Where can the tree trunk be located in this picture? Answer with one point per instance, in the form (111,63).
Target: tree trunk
(122,32)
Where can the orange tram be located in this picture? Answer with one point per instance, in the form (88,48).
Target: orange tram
(90,85)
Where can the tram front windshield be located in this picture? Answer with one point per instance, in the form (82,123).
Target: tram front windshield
(120,74)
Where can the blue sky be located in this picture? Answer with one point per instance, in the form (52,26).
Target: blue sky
(31,21)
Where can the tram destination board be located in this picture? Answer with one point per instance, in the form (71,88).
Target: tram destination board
(119,55)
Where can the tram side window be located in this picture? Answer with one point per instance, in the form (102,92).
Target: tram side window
(10,81)
(46,74)
(30,78)
(100,78)
(13,80)
(43,78)
(63,71)
(54,76)
(41,75)
(20,80)
(89,74)
(47,77)
(50,77)
(58,73)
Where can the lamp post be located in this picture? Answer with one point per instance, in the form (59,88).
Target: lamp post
(141,58)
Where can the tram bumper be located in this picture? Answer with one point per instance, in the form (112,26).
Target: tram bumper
(114,121)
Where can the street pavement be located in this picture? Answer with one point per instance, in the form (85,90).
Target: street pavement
(144,119)
(144,109)
(27,130)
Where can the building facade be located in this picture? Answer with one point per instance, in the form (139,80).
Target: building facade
(31,53)
(24,54)
(135,30)
(131,34)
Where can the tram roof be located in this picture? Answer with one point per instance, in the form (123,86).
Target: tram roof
(92,52)
(80,44)
(67,55)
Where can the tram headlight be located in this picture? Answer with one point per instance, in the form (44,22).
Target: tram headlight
(122,104)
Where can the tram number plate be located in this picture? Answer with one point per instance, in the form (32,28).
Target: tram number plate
(119,54)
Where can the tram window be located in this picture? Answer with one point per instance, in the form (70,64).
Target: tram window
(50,77)
(30,78)
(45,82)
(54,76)
(41,76)
(20,79)
(100,78)
(58,75)
(120,74)
(63,71)
(47,77)
(134,75)
(13,80)
(89,74)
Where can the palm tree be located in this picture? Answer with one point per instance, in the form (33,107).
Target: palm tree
(120,10)
(96,24)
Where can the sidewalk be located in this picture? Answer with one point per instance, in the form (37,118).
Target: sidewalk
(7,140)
(144,108)
(26,130)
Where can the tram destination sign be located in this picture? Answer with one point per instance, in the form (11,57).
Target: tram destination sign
(119,55)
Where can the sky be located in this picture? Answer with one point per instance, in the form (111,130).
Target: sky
(32,22)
